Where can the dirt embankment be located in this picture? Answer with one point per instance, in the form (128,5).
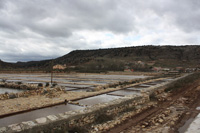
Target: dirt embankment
(170,113)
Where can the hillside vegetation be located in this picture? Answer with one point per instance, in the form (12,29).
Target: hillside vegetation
(139,57)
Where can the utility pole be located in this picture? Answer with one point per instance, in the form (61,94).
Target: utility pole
(51,71)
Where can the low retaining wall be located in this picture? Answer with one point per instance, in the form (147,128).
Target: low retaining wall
(20,85)
(70,120)
(29,90)
(160,88)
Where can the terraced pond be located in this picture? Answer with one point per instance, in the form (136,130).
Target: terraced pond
(89,101)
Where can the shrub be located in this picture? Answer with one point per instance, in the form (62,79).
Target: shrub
(12,96)
(19,83)
(153,97)
(40,85)
(44,92)
(4,80)
(47,84)
(54,84)
(103,118)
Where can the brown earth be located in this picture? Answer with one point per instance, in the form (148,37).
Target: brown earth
(169,115)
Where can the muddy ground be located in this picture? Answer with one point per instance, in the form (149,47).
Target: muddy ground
(172,113)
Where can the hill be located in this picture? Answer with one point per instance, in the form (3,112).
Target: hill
(121,58)
(5,64)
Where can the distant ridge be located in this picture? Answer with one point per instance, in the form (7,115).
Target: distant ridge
(162,55)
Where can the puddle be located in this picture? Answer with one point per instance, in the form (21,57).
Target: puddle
(89,82)
(145,85)
(98,99)
(98,82)
(83,90)
(124,92)
(13,80)
(35,82)
(151,83)
(167,79)
(140,86)
(156,82)
(135,89)
(9,90)
(70,88)
(75,85)
(119,77)
(61,80)
(185,126)
(32,115)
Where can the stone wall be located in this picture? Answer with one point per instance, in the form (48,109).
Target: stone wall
(29,90)
(19,85)
(160,88)
(72,120)
(123,84)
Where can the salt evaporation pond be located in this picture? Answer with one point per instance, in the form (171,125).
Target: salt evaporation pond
(123,92)
(97,99)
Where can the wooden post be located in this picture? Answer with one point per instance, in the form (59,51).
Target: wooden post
(51,71)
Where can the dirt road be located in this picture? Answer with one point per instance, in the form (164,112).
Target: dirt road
(169,115)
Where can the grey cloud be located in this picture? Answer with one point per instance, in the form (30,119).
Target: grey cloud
(185,13)
(115,16)
(2,3)
(39,26)
(74,15)
(14,57)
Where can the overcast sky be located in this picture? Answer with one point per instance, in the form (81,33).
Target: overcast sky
(45,29)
